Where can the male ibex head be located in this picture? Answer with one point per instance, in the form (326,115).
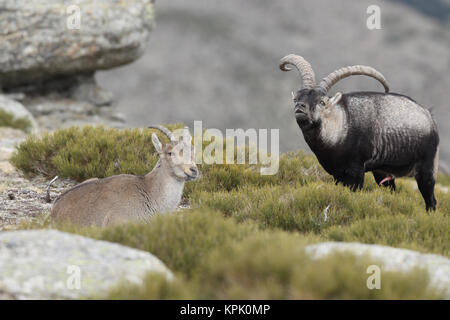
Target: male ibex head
(311,101)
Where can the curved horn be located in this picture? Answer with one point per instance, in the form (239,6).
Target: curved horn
(303,66)
(165,131)
(330,80)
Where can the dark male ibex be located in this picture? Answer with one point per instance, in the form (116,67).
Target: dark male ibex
(386,133)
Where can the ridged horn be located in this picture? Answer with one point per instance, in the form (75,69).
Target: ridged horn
(165,131)
(303,66)
(330,80)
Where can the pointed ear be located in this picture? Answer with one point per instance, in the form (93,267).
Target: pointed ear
(335,99)
(156,143)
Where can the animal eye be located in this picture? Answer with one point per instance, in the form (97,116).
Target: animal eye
(170,154)
(322,103)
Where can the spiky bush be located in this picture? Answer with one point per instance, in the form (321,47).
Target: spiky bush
(336,213)
(83,153)
(273,265)
(180,240)
(88,152)
(215,257)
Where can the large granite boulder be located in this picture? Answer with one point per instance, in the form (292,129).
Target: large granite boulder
(41,41)
(393,259)
(49,264)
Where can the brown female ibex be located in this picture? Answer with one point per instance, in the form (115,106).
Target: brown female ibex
(128,197)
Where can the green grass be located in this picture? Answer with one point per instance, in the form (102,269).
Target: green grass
(275,266)
(180,240)
(245,234)
(89,152)
(215,257)
(271,267)
(8,120)
(443,179)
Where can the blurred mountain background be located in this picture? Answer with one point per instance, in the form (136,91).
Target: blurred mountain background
(217,61)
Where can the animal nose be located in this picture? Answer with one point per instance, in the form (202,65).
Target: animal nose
(194,170)
(300,108)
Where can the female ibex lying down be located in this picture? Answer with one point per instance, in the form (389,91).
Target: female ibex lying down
(128,197)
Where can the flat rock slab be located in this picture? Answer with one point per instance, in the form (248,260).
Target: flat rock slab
(49,264)
(43,39)
(393,259)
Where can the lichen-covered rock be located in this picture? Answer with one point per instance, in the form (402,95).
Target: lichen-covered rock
(40,40)
(17,110)
(49,264)
(393,259)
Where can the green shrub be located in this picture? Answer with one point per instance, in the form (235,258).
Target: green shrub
(180,240)
(294,168)
(379,216)
(233,244)
(214,257)
(83,153)
(8,120)
(154,287)
(423,232)
(88,152)
(302,208)
(273,265)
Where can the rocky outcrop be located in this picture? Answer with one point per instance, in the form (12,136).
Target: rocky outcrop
(49,264)
(393,259)
(51,49)
(42,40)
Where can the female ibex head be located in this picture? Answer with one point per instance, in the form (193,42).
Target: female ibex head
(177,156)
(311,101)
